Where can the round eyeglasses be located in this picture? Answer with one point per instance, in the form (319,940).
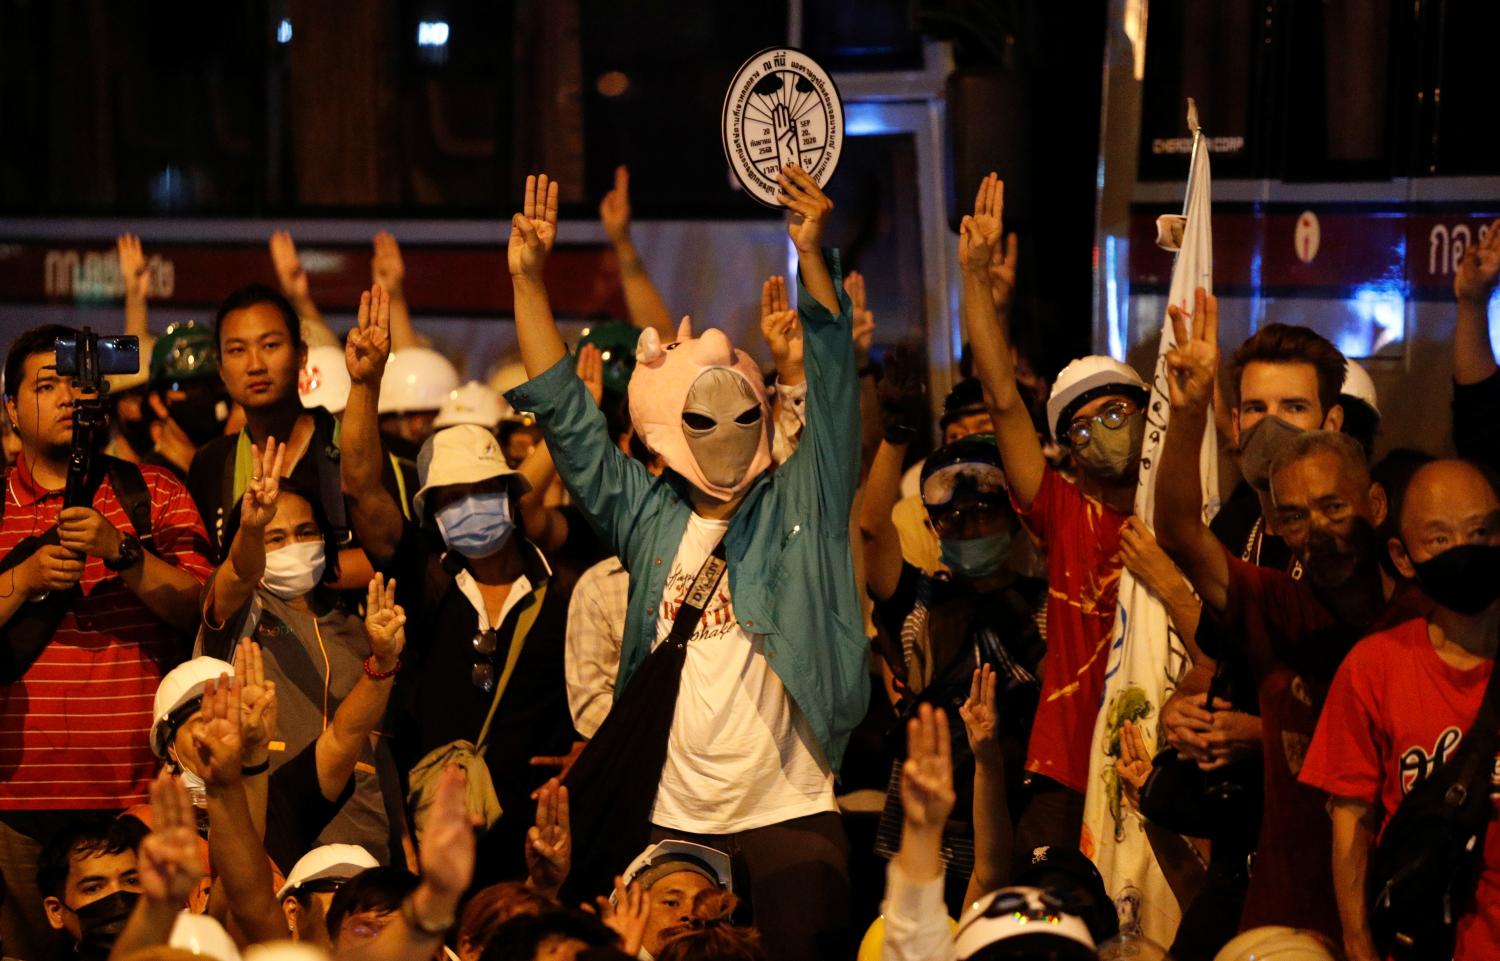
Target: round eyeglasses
(1112,417)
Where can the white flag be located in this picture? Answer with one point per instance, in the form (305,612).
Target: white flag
(1146,655)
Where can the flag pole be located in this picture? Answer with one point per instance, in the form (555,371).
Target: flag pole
(1192,122)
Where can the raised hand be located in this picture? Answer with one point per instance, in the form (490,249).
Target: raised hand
(781,328)
(1193,364)
(590,366)
(549,842)
(864,319)
(979,233)
(1479,271)
(1003,272)
(1134,763)
(133,269)
(981,722)
(257,701)
(809,208)
(258,507)
(385,623)
(614,209)
(387,270)
(447,855)
(368,345)
(289,272)
(218,739)
(169,861)
(927,777)
(534,230)
(628,916)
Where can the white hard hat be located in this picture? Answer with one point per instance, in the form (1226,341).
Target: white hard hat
(417,378)
(324,380)
(1029,921)
(669,857)
(473,403)
(201,934)
(1278,943)
(1357,384)
(331,861)
(1087,378)
(180,689)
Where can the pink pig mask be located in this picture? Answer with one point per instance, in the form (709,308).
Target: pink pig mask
(701,405)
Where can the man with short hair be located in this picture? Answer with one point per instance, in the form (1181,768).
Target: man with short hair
(1404,698)
(672,874)
(490,656)
(89,881)
(80,671)
(1286,379)
(261,353)
(1293,631)
(1097,412)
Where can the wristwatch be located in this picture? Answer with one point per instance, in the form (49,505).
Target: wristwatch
(131,554)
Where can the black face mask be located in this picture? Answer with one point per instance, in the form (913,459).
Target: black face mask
(1465,579)
(100,922)
(200,415)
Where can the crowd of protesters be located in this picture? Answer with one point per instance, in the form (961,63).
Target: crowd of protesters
(337,657)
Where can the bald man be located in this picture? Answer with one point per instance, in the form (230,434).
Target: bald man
(1403,698)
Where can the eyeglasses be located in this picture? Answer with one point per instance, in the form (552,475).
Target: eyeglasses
(1112,417)
(483,672)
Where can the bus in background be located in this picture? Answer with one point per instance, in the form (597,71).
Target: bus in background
(1354,159)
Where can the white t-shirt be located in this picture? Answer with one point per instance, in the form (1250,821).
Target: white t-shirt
(740,755)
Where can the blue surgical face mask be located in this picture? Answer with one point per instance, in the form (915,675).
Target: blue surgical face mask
(976,557)
(477,525)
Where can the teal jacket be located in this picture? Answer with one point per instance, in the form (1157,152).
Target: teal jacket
(791,574)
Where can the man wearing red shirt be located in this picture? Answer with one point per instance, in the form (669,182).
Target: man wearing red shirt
(1096,411)
(73,726)
(1294,632)
(1404,698)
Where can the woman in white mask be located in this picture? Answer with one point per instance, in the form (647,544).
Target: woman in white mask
(272,587)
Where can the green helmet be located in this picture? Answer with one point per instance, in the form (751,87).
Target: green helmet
(185,352)
(616,342)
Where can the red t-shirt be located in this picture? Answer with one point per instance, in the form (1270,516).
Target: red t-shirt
(73,730)
(1082,540)
(1396,710)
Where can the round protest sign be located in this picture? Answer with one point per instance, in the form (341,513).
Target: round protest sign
(781,108)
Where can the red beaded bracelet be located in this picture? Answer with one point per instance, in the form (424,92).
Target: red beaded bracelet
(375,675)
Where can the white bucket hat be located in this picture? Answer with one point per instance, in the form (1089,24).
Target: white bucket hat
(466,454)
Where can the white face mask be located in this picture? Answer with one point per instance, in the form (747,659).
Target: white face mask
(196,787)
(294,569)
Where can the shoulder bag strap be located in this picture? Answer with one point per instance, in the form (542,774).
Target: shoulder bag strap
(524,620)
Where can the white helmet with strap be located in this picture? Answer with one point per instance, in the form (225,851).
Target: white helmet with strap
(1087,378)
(179,695)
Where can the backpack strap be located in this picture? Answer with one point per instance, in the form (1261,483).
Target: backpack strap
(130,488)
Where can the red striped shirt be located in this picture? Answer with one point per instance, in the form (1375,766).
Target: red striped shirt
(73,730)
